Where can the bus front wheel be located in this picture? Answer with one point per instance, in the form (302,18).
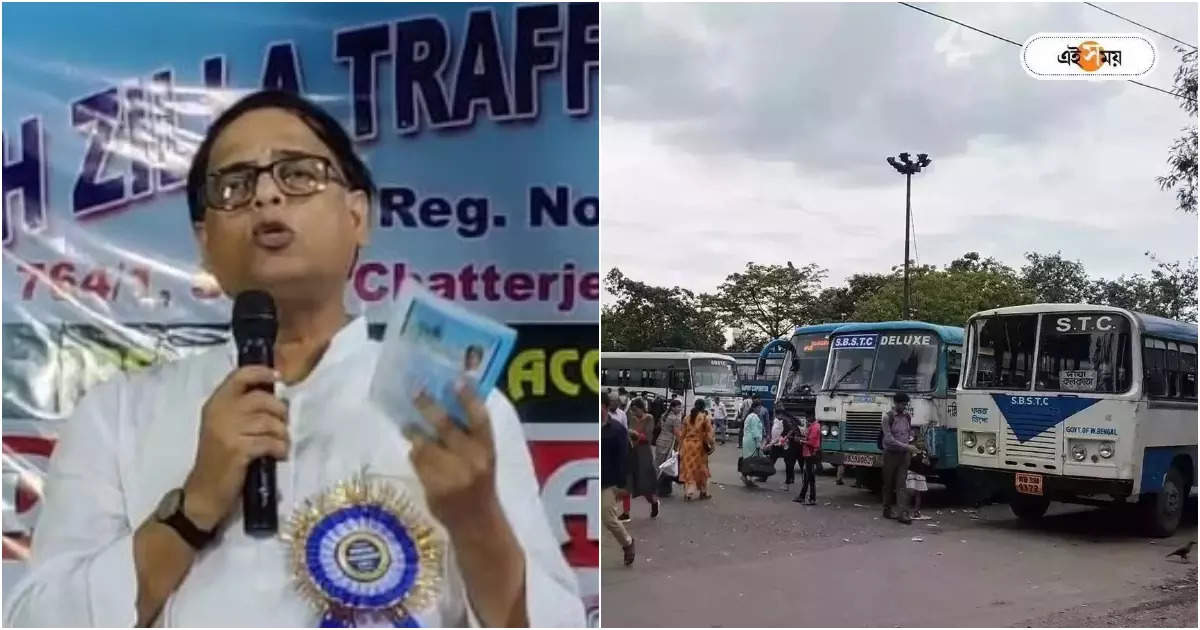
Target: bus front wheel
(1163,510)
(1029,508)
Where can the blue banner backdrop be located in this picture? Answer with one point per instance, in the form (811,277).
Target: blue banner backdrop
(479,122)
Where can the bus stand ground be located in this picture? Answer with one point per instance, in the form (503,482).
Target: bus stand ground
(752,557)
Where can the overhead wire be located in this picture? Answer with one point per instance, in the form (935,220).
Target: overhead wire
(1189,97)
(1138,24)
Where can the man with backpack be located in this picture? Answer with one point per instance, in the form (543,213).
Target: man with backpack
(895,431)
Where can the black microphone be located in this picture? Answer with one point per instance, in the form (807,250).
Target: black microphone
(254,329)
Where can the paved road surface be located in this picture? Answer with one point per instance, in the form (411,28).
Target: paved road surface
(752,557)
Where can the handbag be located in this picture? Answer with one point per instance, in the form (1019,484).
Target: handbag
(670,465)
(758,465)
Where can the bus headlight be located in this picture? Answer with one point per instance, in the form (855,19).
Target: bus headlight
(969,439)
(990,446)
(824,429)
(1079,452)
(1106,450)
(833,430)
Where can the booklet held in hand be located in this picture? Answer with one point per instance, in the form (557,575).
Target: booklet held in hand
(430,345)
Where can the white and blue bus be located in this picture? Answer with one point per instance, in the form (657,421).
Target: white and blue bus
(868,364)
(799,376)
(1081,404)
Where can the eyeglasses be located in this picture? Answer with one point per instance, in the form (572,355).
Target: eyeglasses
(296,176)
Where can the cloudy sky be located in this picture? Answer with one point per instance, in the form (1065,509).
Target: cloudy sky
(733,133)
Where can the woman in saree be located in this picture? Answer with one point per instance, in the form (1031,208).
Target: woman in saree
(696,443)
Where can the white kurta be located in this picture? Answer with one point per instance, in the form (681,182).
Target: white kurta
(134,438)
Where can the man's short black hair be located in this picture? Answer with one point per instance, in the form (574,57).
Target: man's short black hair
(675,402)
(900,397)
(638,403)
(621,390)
(328,130)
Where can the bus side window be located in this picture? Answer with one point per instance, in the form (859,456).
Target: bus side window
(604,377)
(1173,369)
(745,371)
(645,378)
(1154,363)
(953,367)
(1187,365)
(680,380)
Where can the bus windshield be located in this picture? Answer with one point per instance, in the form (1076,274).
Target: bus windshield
(808,364)
(746,369)
(1003,352)
(714,376)
(892,361)
(1077,352)
(1084,352)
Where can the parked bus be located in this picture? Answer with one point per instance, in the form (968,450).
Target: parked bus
(1081,404)
(690,375)
(806,352)
(868,364)
(754,383)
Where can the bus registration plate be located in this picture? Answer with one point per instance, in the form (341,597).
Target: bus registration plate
(1028,483)
(856,459)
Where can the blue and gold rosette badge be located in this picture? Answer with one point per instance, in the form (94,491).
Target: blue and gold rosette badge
(361,552)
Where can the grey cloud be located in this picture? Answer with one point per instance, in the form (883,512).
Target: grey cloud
(1105,251)
(835,88)
(729,144)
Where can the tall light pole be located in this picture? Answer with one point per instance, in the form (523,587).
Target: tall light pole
(908,168)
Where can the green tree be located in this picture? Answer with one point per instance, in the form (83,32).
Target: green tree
(1176,286)
(838,304)
(971,261)
(1133,292)
(641,316)
(767,300)
(946,296)
(1181,158)
(1053,279)
(1169,291)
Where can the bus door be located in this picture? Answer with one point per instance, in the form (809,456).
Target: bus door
(679,379)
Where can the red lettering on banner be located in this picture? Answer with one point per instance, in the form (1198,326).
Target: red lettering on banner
(569,473)
(590,289)
(519,286)
(360,281)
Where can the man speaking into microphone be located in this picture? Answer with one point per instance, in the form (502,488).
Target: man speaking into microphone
(143,520)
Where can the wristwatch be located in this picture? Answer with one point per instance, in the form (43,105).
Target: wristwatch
(170,513)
